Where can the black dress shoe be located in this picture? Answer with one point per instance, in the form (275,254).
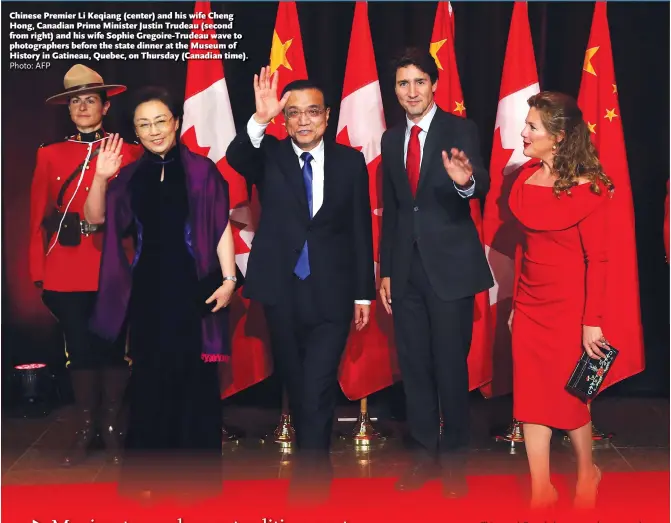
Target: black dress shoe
(311,477)
(453,475)
(417,475)
(455,487)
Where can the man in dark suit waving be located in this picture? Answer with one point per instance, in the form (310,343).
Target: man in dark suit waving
(311,262)
(432,261)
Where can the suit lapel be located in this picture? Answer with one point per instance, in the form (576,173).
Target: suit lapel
(398,161)
(430,152)
(291,169)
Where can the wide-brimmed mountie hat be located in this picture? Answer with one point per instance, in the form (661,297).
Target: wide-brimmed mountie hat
(80,80)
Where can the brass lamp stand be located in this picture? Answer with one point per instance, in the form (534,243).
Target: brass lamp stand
(512,435)
(364,436)
(284,434)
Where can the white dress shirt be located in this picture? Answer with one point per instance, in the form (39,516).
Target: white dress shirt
(424,125)
(256,132)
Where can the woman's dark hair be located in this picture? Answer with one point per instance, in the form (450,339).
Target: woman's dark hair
(151,93)
(574,153)
(103,96)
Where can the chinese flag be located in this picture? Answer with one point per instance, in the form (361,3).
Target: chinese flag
(598,100)
(207,129)
(287,57)
(369,363)
(519,81)
(449,97)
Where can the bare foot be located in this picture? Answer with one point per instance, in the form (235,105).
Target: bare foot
(586,491)
(546,499)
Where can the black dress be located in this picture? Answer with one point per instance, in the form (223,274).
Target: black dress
(174,395)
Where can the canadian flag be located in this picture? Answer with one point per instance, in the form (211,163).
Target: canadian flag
(519,82)
(598,100)
(369,363)
(207,129)
(449,97)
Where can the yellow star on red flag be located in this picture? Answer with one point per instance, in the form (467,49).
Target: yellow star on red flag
(591,126)
(459,107)
(614,89)
(589,54)
(434,47)
(278,53)
(610,114)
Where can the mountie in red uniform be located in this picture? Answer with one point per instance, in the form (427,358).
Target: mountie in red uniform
(63,175)
(65,253)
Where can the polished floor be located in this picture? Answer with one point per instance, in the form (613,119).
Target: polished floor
(31,448)
(251,483)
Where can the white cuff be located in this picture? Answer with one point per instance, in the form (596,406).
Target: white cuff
(256,131)
(362,302)
(466,193)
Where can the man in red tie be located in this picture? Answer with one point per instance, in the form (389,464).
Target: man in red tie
(432,263)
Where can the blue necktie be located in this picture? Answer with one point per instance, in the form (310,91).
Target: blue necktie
(302,269)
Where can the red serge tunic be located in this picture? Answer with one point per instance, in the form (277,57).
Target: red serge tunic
(560,286)
(66,269)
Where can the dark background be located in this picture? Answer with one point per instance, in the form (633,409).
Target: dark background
(640,40)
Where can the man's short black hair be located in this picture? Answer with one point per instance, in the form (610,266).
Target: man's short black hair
(302,85)
(422,60)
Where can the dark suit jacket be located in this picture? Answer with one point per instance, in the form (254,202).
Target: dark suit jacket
(340,238)
(438,218)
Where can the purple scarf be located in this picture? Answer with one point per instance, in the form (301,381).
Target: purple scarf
(208,217)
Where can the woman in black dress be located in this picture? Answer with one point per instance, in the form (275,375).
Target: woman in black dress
(178,285)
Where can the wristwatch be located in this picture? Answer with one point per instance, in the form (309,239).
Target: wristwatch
(232,278)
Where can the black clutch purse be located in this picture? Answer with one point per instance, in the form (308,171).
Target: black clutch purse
(210,283)
(589,374)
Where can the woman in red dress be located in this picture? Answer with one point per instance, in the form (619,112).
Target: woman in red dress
(561,204)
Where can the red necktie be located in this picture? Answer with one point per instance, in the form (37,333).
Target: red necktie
(413,158)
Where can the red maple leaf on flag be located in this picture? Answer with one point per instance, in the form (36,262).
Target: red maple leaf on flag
(343,138)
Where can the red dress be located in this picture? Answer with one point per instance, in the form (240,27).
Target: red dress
(560,286)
